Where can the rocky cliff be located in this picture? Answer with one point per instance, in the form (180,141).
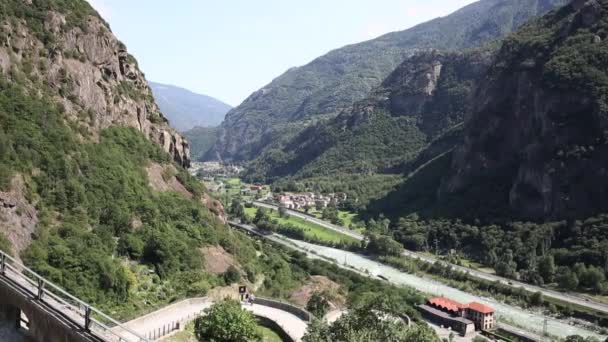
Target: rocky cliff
(539,124)
(424,97)
(74,56)
(332,83)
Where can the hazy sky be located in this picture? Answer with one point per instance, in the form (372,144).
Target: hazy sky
(230,48)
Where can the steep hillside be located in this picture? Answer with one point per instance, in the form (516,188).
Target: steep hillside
(65,49)
(93,192)
(424,97)
(186,110)
(201,140)
(331,83)
(80,137)
(526,191)
(540,120)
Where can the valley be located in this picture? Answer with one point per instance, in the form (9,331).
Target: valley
(448,178)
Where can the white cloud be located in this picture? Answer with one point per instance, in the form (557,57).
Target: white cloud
(102,7)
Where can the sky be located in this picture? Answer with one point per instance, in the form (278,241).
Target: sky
(230,48)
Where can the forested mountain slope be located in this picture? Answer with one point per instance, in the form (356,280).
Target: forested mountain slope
(80,135)
(93,191)
(332,83)
(525,191)
(186,110)
(427,95)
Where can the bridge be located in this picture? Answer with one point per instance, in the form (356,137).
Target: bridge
(44,312)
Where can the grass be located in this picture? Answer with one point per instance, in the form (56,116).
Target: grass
(311,230)
(187,335)
(476,266)
(268,335)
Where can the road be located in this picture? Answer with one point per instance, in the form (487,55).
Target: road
(189,309)
(570,298)
(532,321)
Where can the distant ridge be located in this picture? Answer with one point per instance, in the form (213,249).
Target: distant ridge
(186,109)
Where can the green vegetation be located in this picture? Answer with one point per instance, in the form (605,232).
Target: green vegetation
(268,335)
(359,189)
(344,76)
(201,140)
(226,321)
(319,303)
(301,229)
(378,317)
(187,335)
(76,14)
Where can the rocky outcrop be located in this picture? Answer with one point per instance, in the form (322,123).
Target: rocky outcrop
(93,76)
(18,217)
(540,119)
(330,84)
(163,178)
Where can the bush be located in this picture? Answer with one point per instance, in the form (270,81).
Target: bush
(226,321)
(232,275)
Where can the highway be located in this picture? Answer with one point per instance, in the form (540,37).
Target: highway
(570,298)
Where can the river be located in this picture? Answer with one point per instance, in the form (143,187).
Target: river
(529,320)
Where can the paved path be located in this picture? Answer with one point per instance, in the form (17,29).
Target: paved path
(189,309)
(566,297)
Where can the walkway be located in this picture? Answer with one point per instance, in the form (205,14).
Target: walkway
(187,310)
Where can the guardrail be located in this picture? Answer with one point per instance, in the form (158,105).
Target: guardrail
(287,307)
(84,315)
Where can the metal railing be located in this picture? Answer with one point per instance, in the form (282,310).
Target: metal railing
(84,315)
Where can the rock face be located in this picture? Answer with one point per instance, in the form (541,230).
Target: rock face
(427,95)
(540,118)
(18,217)
(332,83)
(93,75)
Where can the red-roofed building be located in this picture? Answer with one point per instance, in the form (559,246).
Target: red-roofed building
(482,315)
(448,305)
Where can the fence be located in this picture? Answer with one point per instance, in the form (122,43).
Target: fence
(84,315)
(287,307)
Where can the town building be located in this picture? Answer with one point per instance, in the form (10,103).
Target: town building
(483,316)
(462,318)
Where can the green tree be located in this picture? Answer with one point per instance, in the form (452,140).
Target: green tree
(537,299)
(383,245)
(377,318)
(318,304)
(546,268)
(566,279)
(237,209)
(261,215)
(226,321)
(283,212)
(232,275)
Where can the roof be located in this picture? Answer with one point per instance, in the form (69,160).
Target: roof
(446,303)
(480,308)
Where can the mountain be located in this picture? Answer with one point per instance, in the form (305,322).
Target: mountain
(525,184)
(201,140)
(332,83)
(423,98)
(540,121)
(186,110)
(94,193)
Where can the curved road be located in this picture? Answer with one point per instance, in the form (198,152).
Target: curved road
(189,309)
(570,298)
